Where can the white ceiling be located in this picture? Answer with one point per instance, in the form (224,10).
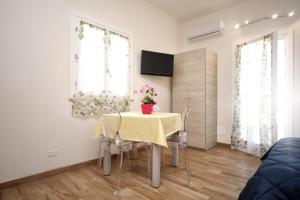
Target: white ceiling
(189,9)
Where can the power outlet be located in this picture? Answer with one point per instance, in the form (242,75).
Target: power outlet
(52,153)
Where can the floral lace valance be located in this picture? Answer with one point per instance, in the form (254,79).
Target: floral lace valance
(91,105)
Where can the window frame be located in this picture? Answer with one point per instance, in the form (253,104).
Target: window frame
(76,17)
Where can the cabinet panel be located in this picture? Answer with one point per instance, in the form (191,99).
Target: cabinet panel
(196,140)
(211,99)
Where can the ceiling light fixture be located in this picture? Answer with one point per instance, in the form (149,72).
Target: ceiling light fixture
(274,16)
(291,14)
(237,26)
(246,22)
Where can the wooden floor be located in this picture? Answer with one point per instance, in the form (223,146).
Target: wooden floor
(219,173)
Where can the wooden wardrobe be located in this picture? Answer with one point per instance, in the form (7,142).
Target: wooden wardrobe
(195,77)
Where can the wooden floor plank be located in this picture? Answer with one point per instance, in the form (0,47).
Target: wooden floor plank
(219,173)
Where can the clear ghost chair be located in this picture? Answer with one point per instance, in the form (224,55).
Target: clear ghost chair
(180,138)
(122,145)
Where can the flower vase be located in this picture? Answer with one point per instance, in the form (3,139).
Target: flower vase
(147,108)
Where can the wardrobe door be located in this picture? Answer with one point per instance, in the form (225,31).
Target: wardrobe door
(211,99)
(179,86)
(195,61)
(189,82)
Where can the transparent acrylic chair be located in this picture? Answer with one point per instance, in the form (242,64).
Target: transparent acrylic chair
(180,139)
(121,145)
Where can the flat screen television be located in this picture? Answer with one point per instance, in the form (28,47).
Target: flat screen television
(154,63)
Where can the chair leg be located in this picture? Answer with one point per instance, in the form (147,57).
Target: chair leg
(100,153)
(134,151)
(120,170)
(162,156)
(187,162)
(128,164)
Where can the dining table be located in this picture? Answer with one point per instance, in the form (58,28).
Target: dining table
(147,128)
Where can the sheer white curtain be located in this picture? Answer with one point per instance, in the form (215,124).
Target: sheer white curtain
(92,59)
(103,61)
(100,69)
(256,94)
(118,64)
(251,93)
(263,94)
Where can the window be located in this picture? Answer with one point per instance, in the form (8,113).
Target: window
(100,60)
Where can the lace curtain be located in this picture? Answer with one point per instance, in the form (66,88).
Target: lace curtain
(102,71)
(253,120)
(91,106)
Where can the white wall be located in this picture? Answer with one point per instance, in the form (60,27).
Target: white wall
(34,77)
(223,45)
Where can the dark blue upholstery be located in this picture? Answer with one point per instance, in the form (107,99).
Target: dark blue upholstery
(278,177)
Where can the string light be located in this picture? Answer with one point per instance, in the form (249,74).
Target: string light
(237,26)
(274,16)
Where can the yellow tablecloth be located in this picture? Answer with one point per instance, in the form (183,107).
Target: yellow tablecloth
(135,126)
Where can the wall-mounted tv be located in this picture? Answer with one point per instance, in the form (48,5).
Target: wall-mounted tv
(154,63)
